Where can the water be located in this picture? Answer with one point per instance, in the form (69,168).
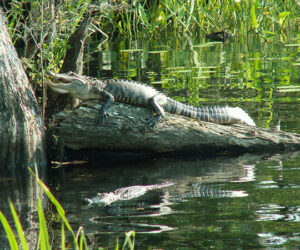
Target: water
(249,201)
(244,202)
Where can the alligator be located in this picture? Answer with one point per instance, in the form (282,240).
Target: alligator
(135,93)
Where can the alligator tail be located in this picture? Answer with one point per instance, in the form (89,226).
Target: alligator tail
(220,115)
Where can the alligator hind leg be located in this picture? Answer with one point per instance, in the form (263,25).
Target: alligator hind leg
(156,103)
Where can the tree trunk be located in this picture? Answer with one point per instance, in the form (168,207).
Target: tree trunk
(73,61)
(126,128)
(21,126)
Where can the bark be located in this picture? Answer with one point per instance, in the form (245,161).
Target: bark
(21,126)
(73,61)
(126,128)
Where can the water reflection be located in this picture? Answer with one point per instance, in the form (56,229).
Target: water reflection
(125,194)
(230,199)
(239,203)
(193,181)
(18,186)
(261,78)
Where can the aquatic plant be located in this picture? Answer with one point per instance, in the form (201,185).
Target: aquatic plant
(196,17)
(78,238)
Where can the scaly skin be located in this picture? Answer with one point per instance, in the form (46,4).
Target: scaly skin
(134,93)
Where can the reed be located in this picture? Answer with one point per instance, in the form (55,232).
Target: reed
(265,18)
(142,18)
(78,238)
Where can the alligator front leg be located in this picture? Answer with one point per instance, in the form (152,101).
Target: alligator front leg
(109,100)
(156,103)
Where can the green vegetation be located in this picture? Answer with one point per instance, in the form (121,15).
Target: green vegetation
(40,33)
(41,30)
(266,18)
(44,29)
(78,238)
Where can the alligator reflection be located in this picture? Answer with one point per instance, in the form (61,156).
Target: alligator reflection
(128,193)
(121,197)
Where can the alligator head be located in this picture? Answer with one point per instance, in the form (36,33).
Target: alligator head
(70,83)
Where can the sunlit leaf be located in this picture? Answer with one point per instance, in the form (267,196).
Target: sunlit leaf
(18,226)
(282,16)
(44,237)
(143,14)
(253,17)
(128,240)
(10,235)
(288,89)
(162,18)
(292,45)
(63,237)
(270,34)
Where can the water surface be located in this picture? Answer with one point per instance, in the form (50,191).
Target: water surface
(248,201)
(241,202)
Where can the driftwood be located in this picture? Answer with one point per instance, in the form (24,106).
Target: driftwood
(126,128)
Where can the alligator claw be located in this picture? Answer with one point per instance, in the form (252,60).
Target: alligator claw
(154,120)
(102,116)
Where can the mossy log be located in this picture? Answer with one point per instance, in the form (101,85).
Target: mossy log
(126,128)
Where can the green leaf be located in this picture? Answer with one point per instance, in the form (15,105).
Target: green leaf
(128,240)
(270,34)
(253,16)
(59,208)
(10,235)
(44,237)
(120,27)
(142,14)
(117,244)
(162,18)
(63,237)
(282,16)
(18,226)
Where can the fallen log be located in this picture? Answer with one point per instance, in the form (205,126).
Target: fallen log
(126,128)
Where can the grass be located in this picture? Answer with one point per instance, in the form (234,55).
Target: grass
(182,17)
(141,18)
(78,238)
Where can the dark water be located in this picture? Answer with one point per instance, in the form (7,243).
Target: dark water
(244,202)
(249,201)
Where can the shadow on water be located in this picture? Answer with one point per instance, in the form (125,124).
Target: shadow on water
(208,202)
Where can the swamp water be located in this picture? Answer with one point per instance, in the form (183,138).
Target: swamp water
(249,201)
